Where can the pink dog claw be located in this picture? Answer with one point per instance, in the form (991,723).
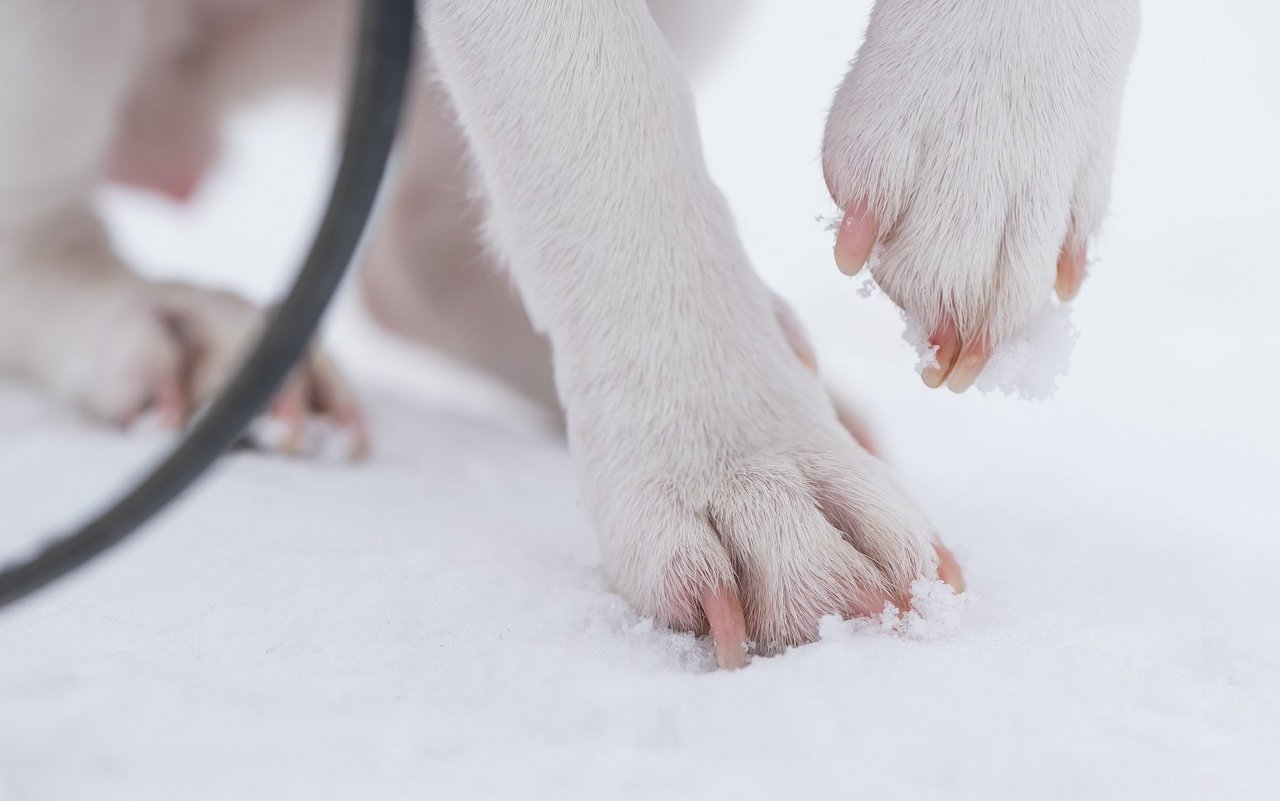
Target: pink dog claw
(728,627)
(856,239)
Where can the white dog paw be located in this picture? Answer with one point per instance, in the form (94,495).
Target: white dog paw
(763,549)
(168,349)
(970,149)
(749,518)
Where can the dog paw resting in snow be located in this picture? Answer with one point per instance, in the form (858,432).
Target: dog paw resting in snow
(971,148)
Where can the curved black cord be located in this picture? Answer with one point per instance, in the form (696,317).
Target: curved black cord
(387,30)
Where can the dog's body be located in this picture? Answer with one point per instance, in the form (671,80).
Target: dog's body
(971,143)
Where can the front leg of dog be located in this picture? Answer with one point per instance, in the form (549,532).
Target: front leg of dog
(726,494)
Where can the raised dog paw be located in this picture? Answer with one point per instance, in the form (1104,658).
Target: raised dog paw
(970,149)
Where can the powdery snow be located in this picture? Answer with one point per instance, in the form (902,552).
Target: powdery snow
(434,624)
(1028,365)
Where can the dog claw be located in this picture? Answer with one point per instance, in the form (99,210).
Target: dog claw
(856,239)
(948,344)
(1072,266)
(967,368)
(728,627)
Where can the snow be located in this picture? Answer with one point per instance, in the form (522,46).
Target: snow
(1027,365)
(1038,354)
(434,623)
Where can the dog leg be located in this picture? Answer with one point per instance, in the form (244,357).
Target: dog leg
(428,276)
(727,496)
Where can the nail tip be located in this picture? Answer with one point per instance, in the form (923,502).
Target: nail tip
(731,661)
(959,384)
(848,266)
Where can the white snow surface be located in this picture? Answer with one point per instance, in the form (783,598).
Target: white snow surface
(434,623)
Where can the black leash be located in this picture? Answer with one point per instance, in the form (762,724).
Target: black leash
(387,31)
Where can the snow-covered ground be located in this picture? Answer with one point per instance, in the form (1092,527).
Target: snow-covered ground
(434,624)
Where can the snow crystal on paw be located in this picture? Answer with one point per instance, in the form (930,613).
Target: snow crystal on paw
(1030,362)
(833,628)
(829,222)
(936,612)
(869,287)
(918,338)
(1027,364)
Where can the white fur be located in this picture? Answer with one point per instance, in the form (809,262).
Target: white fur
(981,134)
(709,455)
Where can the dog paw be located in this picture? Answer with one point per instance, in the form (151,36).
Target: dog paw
(742,507)
(970,149)
(759,552)
(168,349)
